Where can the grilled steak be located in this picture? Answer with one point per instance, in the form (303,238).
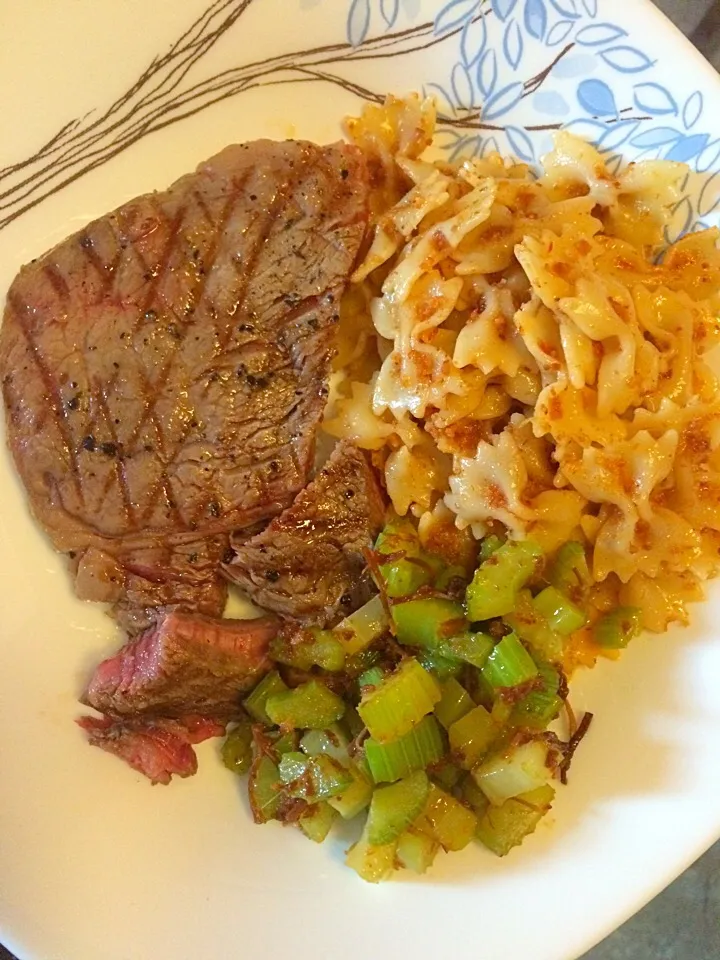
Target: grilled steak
(164,370)
(156,749)
(309,563)
(184,665)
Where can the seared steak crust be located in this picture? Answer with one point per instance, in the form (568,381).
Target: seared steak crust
(309,562)
(164,370)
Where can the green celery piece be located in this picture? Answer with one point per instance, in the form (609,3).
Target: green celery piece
(559,611)
(616,629)
(316,648)
(317,821)
(472,796)
(409,569)
(333,742)
(448,820)
(313,778)
(285,742)
(425,622)
(399,702)
(539,707)
(440,666)
(395,807)
(471,736)
(355,798)
(371,677)
(504,827)
(371,863)
(569,571)
(361,628)
(448,574)
(445,773)
(507,774)
(509,664)
(497,580)
(416,851)
(454,702)
(236,750)
(422,745)
(271,684)
(264,789)
(489,546)
(527,622)
(311,705)
(473,648)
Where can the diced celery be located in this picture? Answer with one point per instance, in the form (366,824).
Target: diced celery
(311,705)
(419,747)
(503,776)
(474,648)
(317,821)
(440,666)
(360,629)
(371,863)
(416,851)
(497,580)
(471,736)
(454,702)
(445,773)
(264,789)
(400,701)
(569,570)
(371,677)
(395,807)
(616,629)
(447,574)
(285,742)
(313,778)
(427,622)
(407,569)
(489,546)
(559,611)
(509,664)
(472,796)
(355,798)
(236,750)
(332,741)
(316,647)
(504,827)
(539,707)
(530,626)
(271,684)
(449,821)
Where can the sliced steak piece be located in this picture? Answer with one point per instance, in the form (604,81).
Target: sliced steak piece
(165,369)
(183,665)
(157,749)
(309,562)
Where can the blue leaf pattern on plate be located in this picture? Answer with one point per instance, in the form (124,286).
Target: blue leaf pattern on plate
(520,143)
(389,10)
(596,98)
(487,73)
(513,44)
(503,8)
(558,57)
(535,18)
(358,21)
(692,109)
(559,32)
(473,41)
(626,59)
(455,13)
(688,147)
(599,33)
(502,101)
(654,99)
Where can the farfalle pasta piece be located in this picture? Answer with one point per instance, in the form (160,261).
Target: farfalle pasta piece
(416,478)
(353,418)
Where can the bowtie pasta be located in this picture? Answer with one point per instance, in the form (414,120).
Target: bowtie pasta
(523,358)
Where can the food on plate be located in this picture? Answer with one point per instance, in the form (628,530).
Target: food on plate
(526,471)
(164,370)
(310,561)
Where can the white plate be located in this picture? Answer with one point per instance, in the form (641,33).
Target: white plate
(96,865)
